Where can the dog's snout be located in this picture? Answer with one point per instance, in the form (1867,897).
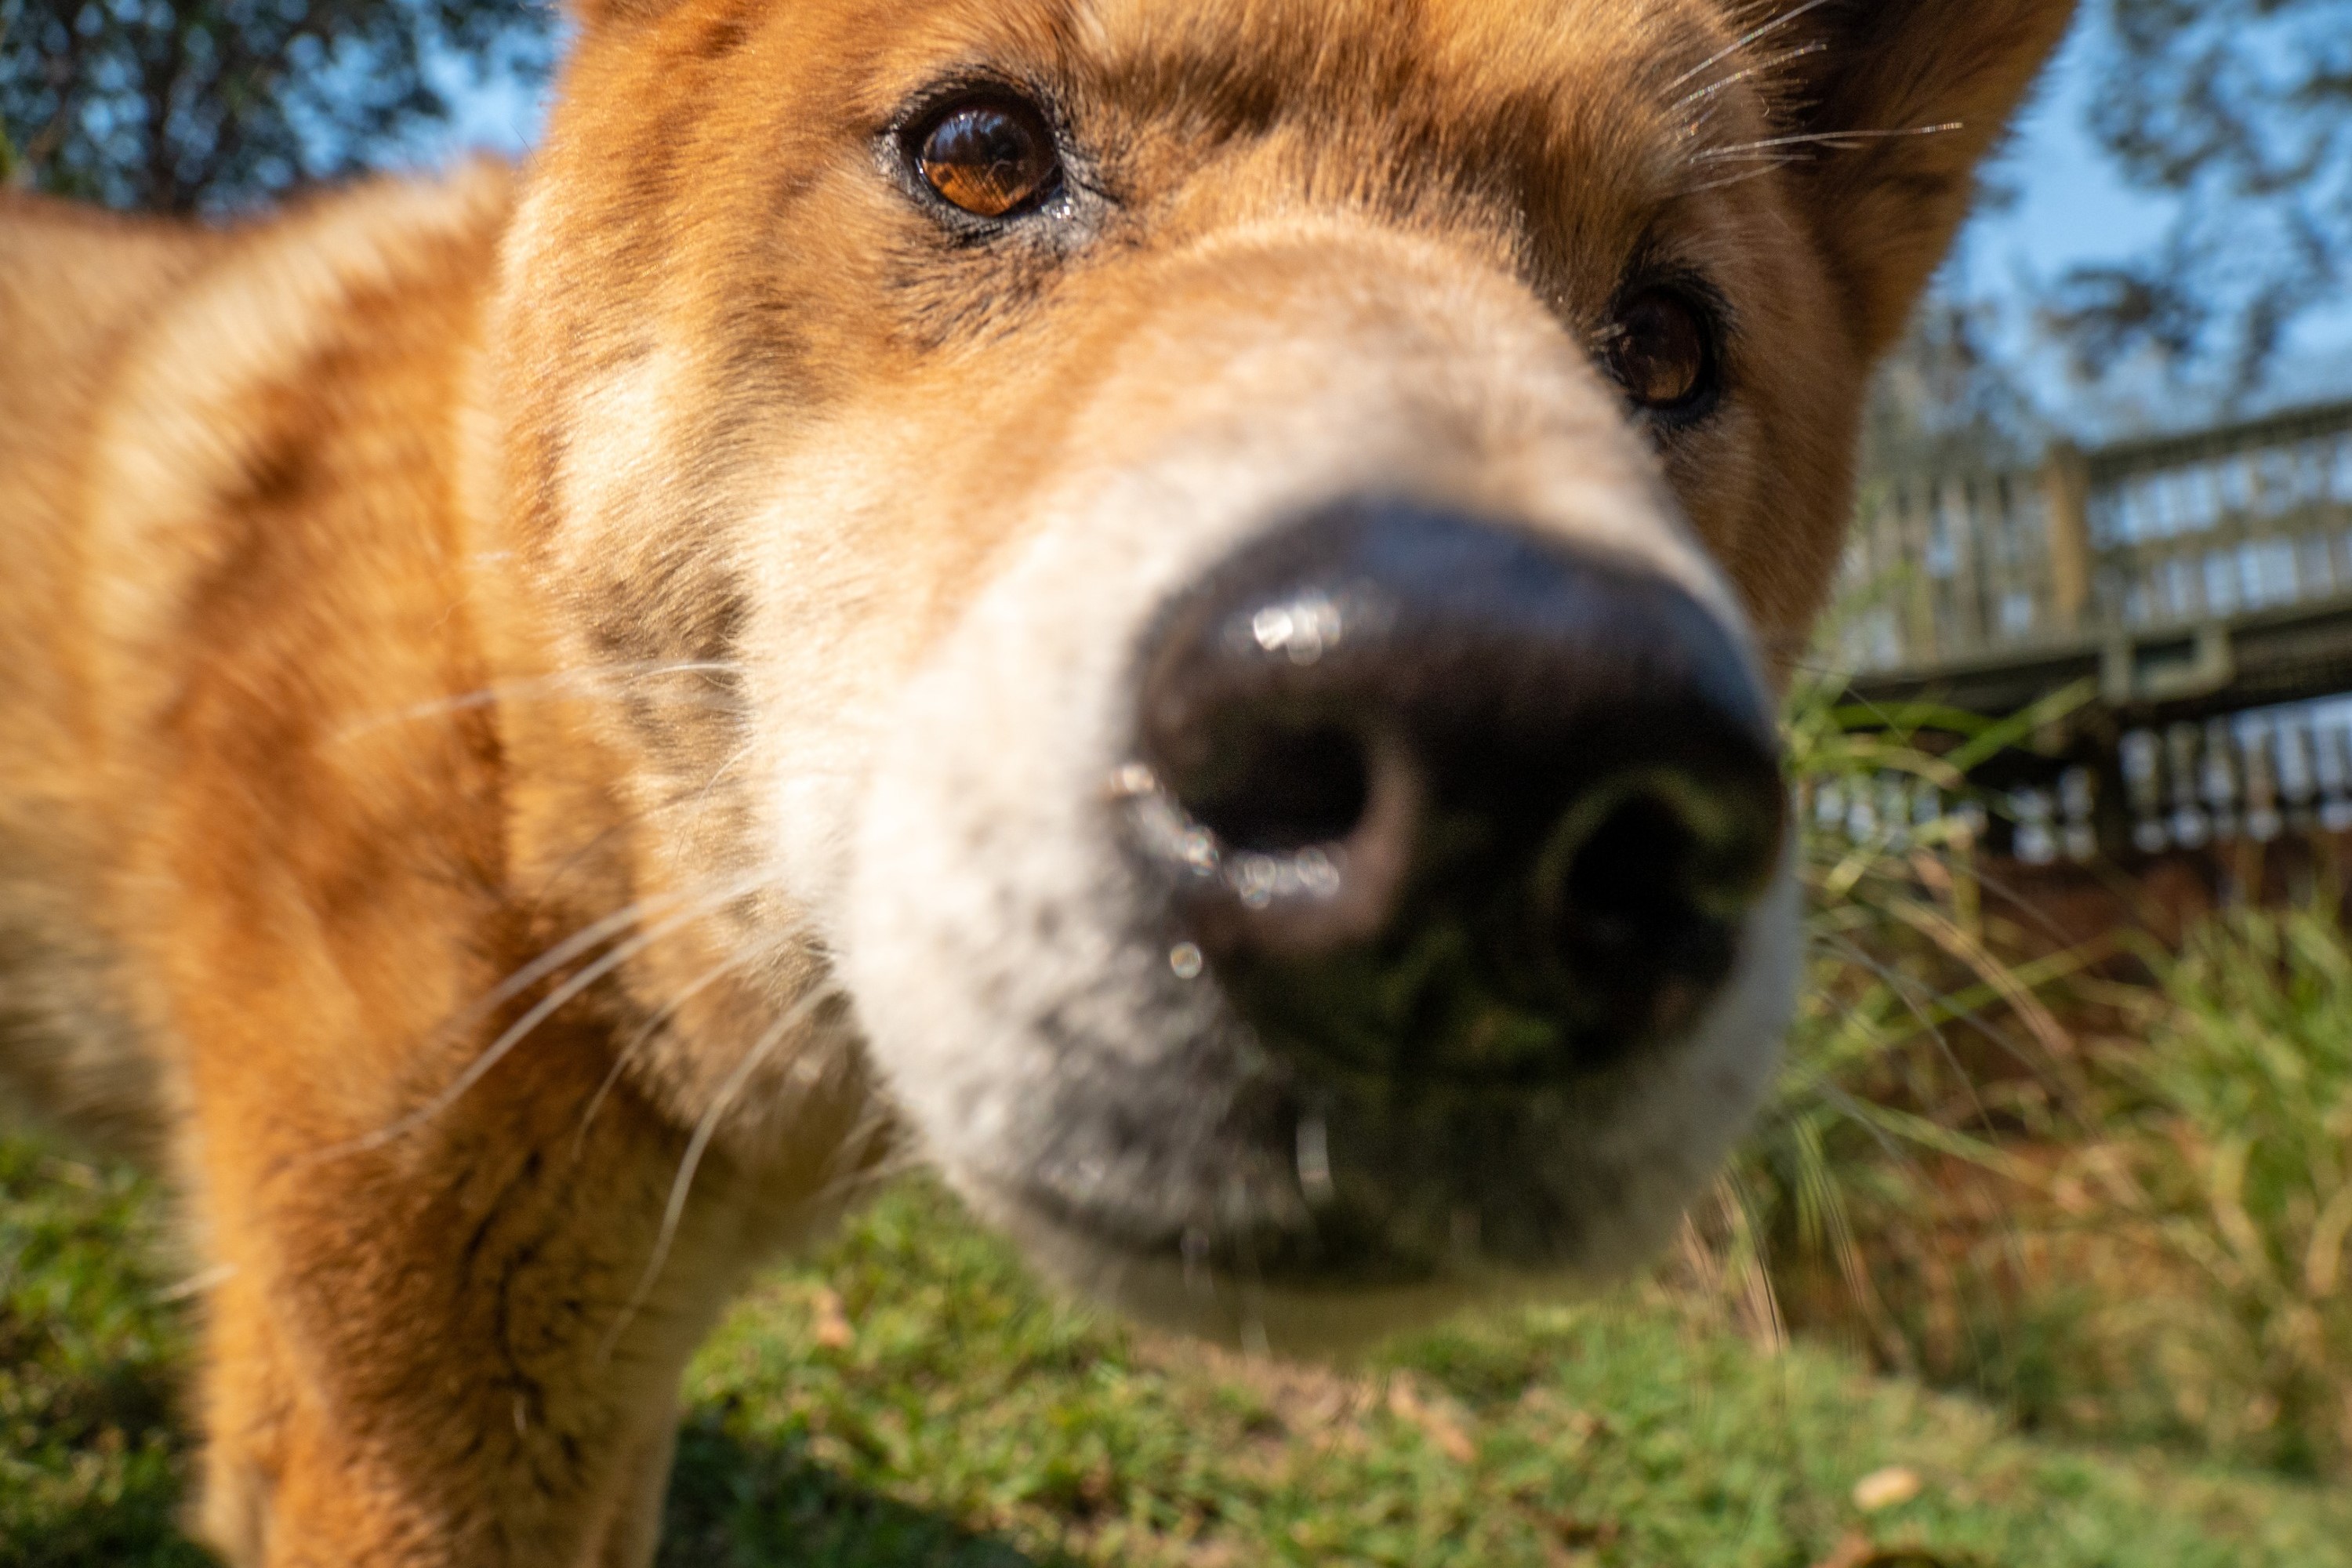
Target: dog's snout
(1439,796)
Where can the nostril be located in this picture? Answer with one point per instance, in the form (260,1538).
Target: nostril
(1274,788)
(1652,841)
(1640,891)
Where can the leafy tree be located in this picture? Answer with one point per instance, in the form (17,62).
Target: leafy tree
(2241,112)
(1947,399)
(215,105)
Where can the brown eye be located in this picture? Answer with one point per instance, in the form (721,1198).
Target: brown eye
(1662,351)
(992,159)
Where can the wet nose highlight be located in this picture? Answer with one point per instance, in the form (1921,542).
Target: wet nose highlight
(1437,797)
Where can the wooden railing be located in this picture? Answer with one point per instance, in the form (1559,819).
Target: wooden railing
(2188,785)
(2121,542)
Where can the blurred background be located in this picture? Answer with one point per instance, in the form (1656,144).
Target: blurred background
(2041,1254)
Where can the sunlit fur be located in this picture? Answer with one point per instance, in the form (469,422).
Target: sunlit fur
(538,707)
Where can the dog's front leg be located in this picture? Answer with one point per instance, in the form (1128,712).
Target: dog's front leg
(447,1345)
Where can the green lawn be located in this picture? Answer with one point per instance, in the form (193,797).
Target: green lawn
(907,1398)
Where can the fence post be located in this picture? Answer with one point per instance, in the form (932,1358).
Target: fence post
(1923,643)
(2066,508)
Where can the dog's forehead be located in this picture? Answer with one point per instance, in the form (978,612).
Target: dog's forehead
(1308,52)
(1574,88)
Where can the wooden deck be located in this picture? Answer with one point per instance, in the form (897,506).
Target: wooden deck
(2200,581)
(2213,570)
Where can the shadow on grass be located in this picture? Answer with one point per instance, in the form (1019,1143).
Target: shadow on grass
(738,1504)
(92,1463)
(732,1504)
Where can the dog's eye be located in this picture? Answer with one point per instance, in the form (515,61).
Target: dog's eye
(1662,351)
(992,158)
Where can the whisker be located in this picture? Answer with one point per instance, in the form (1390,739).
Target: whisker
(1763,157)
(2018,901)
(1916,1000)
(498,1050)
(582,941)
(1834,140)
(674,1211)
(661,1015)
(741,751)
(1768,64)
(876,1119)
(1724,183)
(488,1058)
(1757,34)
(201,1283)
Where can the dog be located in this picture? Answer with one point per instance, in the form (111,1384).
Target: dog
(1172,607)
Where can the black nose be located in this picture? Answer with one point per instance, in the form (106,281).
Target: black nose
(1437,797)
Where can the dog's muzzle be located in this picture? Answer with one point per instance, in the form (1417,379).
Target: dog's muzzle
(1436,937)
(1443,804)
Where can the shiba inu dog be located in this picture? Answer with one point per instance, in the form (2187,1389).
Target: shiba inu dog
(1172,606)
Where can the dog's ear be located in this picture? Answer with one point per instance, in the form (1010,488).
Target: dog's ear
(1896,103)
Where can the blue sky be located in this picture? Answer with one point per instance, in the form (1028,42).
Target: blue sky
(2074,208)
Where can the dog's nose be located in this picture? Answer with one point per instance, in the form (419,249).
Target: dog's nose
(1438,797)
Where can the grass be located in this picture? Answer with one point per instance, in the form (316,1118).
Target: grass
(2244,1102)
(2119,1212)
(2168,1263)
(906,1397)
(2134,1249)
(91,1460)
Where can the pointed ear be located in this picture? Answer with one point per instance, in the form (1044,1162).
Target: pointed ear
(1898,101)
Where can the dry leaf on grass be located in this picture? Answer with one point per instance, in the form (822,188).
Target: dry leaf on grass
(832,1330)
(1439,1425)
(1889,1487)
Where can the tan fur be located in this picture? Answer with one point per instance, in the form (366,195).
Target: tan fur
(401,587)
